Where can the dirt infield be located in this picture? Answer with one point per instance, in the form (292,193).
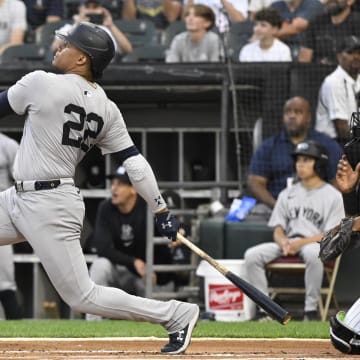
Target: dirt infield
(148,348)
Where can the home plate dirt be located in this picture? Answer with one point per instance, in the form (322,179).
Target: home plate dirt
(148,348)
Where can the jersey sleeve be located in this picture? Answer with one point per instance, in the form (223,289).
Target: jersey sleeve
(279,214)
(28,92)
(116,136)
(335,99)
(19,16)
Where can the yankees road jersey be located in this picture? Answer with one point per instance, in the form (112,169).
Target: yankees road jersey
(303,212)
(65,116)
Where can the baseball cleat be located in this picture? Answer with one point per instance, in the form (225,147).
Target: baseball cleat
(180,340)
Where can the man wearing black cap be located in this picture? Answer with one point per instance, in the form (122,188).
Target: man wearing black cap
(120,240)
(339,92)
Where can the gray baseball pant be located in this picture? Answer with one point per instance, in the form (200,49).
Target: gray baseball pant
(258,256)
(51,221)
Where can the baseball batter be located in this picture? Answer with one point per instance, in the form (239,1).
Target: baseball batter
(66,115)
(8,149)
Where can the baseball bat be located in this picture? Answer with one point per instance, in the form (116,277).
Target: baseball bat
(264,301)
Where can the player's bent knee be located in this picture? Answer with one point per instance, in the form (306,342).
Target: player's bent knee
(343,337)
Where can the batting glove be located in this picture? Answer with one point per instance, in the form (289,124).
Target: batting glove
(167,225)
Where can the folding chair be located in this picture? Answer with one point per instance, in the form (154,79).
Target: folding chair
(23,52)
(292,265)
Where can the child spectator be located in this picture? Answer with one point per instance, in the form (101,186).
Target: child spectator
(267,47)
(198,43)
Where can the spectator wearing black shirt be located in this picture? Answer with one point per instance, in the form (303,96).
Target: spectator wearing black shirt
(120,241)
(324,33)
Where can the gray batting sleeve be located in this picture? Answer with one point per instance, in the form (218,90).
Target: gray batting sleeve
(143,179)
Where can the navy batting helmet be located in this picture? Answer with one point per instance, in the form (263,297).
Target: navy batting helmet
(317,151)
(93,41)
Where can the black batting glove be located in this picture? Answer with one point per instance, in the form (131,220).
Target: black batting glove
(167,225)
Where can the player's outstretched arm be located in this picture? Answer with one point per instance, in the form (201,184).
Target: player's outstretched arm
(144,181)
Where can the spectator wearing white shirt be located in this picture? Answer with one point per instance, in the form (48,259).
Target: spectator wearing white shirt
(12,23)
(226,11)
(339,92)
(267,47)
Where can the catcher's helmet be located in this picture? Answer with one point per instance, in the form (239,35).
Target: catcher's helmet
(317,151)
(93,41)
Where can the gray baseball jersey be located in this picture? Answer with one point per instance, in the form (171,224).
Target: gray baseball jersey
(80,115)
(65,116)
(311,211)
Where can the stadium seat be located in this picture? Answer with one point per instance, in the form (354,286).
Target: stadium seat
(239,34)
(23,52)
(139,32)
(171,31)
(47,32)
(155,53)
(292,265)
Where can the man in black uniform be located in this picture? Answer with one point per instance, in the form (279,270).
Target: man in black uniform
(120,240)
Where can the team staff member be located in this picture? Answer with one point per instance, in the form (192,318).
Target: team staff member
(8,299)
(302,213)
(66,116)
(120,240)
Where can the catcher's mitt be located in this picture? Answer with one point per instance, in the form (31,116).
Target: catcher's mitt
(336,240)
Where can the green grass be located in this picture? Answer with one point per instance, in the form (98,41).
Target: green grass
(112,328)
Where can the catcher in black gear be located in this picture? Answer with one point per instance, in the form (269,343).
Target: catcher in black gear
(345,327)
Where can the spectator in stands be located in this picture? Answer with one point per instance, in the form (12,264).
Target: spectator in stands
(321,39)
(271,165)
(160,12)
(302,213)
(296,14)
(12,23)
(226,11)
(266,47)
(339,92)
(198,43)
(120,240)
(93,11)
(40,12)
